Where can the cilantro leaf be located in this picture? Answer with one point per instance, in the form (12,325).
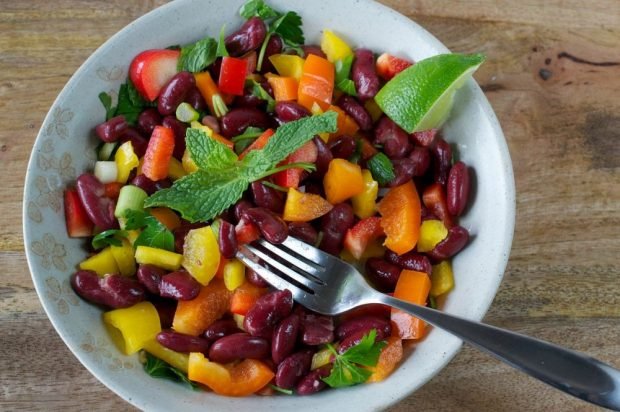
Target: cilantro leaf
(348,368)
(381,168)
(257,8)
(342,80)
(261,93)
(108,238)
(106,101)
(288,26)
(157,368)
(221,44)
(154,233)
(198,56)
(208,153)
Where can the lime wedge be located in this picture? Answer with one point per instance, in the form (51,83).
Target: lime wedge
(421,96)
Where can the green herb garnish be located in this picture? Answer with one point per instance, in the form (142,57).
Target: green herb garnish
(108,238)
(261,93)
(342,80)
(348,367)
(281,390)
(381,169)
(222,178)
(221,44)
(130,103)
(154,233)
(257,8)
(157,368)
(246,138)
(106,101)
(198,56)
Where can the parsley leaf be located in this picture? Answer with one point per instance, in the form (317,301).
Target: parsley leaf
(106,101)
(261,93)
(157,368)
(221,44)
(381,168)
(108,238)
(198,56)
(288,26)
(221,178)
(154,233)
(343,70)
(257,8)
(130,103)
(348,367)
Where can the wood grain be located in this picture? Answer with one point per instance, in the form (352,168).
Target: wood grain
(553,78)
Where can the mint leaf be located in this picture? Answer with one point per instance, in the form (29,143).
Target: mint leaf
(244,140)
(157,368)
(342,80)
(257,8)
(288,27)
(208,153)
(202,195)
(106,101)
(198,56)
(221,45)
(381,169)
(154,233)
(261,93)
(108,238)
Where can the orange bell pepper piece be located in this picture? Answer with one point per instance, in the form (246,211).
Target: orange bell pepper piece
(390,356)
(284,88)
(192,317)
(401,215)
(242,379)
(244,297)
(259,143)
(413,287)
(158,153)
(316,83)
(166,217)
(345,123)
(342,181)
(304,207)
(208,89)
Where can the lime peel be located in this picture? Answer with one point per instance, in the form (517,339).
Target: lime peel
(421,96)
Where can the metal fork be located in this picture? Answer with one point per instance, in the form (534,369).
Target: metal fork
(328,285)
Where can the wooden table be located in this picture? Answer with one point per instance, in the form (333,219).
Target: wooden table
(553,78)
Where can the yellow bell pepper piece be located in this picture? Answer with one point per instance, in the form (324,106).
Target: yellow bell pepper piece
(131,328)
(234,274)
(288,65)
(442,279)
(132,235)
(364,204)
(159,257)
(124,257)
(201,254)
(316,109)
(373,109)
(321,358)
(175,359)
(102,263)
(175,169)
(126,160)
(334,47)
(188,163)
(239,320)
(431,233)
(342,181)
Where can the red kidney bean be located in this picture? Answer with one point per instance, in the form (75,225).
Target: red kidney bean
(240,207)
(303,231)
(355,338)
(343,147)
(248,99)
(274,46)
(180,342)
(236,121)
(395,140)
(165,309)
(324,156)
(313,381)
(221,328)
(144,183)
(267,197)
(180,233)
(364,75)
(403,171)
(268,310)
(99,208)
(358,112)
(293,368)
(284,338)
(238,346)
(112,130)
(424,138)
(410,261)
(334,226)
(442,161)
(249,37)
(313,49)
(163,184)
(315,188)
(317,329)
(194,98)
(227,240)
(255,279)
(421,158)
(271,226)
(287,111)
(382,274)
(174,92)
(455,241)
(178,128)
(216,68)
(427,214)
(147,121)
(138,142)
(150,277)
(179,285)
(211,122)
(457,188)
(364,323)
(114,291)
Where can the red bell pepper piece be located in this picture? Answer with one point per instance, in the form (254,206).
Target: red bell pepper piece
(307,153)
(232,75)
(434,198)
(78,222)
(259,143)
(359,236)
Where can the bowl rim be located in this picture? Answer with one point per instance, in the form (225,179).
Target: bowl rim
(484,105)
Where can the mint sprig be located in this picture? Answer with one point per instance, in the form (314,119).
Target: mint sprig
(222,178)
(348,367)
(197,56)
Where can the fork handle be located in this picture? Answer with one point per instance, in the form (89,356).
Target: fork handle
(572,372)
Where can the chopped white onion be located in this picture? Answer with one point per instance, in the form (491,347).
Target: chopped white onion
(106,171)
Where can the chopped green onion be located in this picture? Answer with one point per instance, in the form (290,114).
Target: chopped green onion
(106,151)
(219,106)
(130,198)
(186,113)
(281,390)
(106,171)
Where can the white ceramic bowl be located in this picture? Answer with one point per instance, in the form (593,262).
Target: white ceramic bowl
(64,149)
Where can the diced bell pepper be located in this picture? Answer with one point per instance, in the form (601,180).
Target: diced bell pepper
(364,203)
(234,274)
(201,254)
(102,263)
(131,328)
(158,257)
(126,160)
(400,210)
(288,65)
(442,279)
(432,232)
(334,47)
(193,317)
(342,181)
(412,287)
(304,207)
